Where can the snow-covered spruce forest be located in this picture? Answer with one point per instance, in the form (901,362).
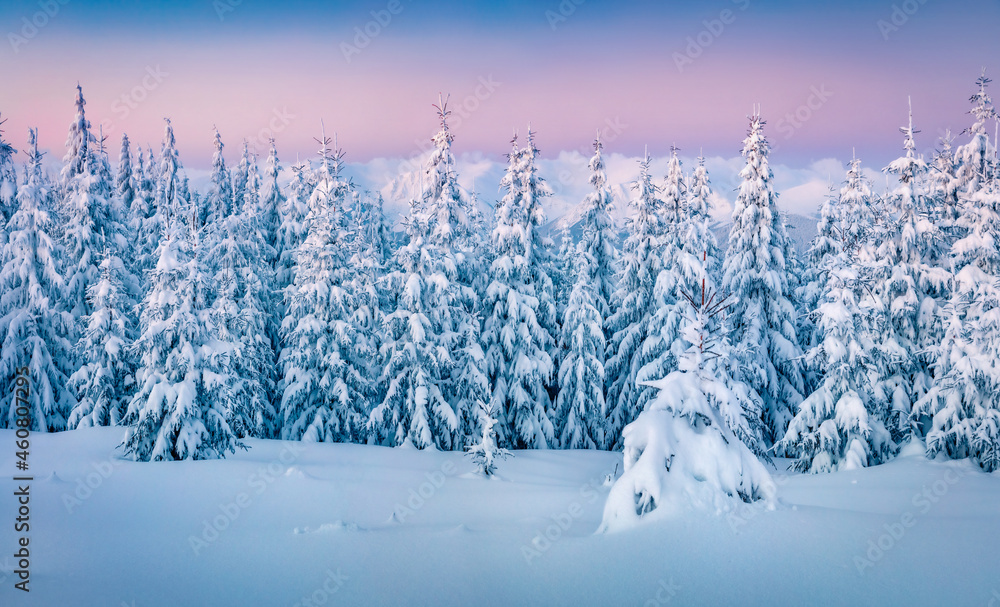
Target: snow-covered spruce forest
(251,310)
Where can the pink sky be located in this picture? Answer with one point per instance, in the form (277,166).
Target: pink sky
(566,83)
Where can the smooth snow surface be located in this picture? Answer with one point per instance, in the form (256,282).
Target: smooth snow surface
(352,517)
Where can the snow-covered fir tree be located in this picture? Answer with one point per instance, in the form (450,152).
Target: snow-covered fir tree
(414,410)
(373,234)
(515,341)
(824,245)
(370,262)
(242,313)
(144,219)
(960,414)
(35,328)
(271,202)
(944,189)
(293,228)
(240,174)
(689,262)
(179,409)
(674,193)
(703,258)
(152,166)
(91,224)
(219,201)
(634,306)
(169,197)
(597,256)
(598,238)
(541,261)
(250,201)
(688,447)
(915,280)
(455,268)
(847,225)
(8,185)
(331,194)
(840,426)
(189,203)
(104,381)
(756,276)
(699,203)
(975,157)
(373,239)
(125,186)
(846,421)
(694,262)
(581,411)
(325,390)
(562,269)
(79,143)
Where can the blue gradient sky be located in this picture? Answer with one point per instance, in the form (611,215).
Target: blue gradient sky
(280,67)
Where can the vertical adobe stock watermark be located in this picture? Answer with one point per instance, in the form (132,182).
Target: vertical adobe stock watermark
(563,12)
(898,17)
(892,533)
(36,22)
(22,480)
(370,30)
(257,483)
(131,99)
(713,30)
(791,122)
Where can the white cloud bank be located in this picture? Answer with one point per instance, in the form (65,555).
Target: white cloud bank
(801,191)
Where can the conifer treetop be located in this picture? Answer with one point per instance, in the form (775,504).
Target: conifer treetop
(982,107)
(6,150)
(444,138)
(78,140)
(330,154)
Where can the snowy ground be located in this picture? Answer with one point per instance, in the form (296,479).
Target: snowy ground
(346,525)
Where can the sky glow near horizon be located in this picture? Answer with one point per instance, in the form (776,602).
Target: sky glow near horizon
(830,79)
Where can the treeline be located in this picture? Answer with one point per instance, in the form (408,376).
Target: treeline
(253,310)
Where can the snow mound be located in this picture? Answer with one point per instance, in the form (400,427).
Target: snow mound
(296,472)
(334,527)
(679,453)
(52,477)
(913,448)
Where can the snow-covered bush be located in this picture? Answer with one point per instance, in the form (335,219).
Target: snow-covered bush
(486,452)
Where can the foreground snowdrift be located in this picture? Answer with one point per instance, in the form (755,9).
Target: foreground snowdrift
(680,452)
(356,525)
